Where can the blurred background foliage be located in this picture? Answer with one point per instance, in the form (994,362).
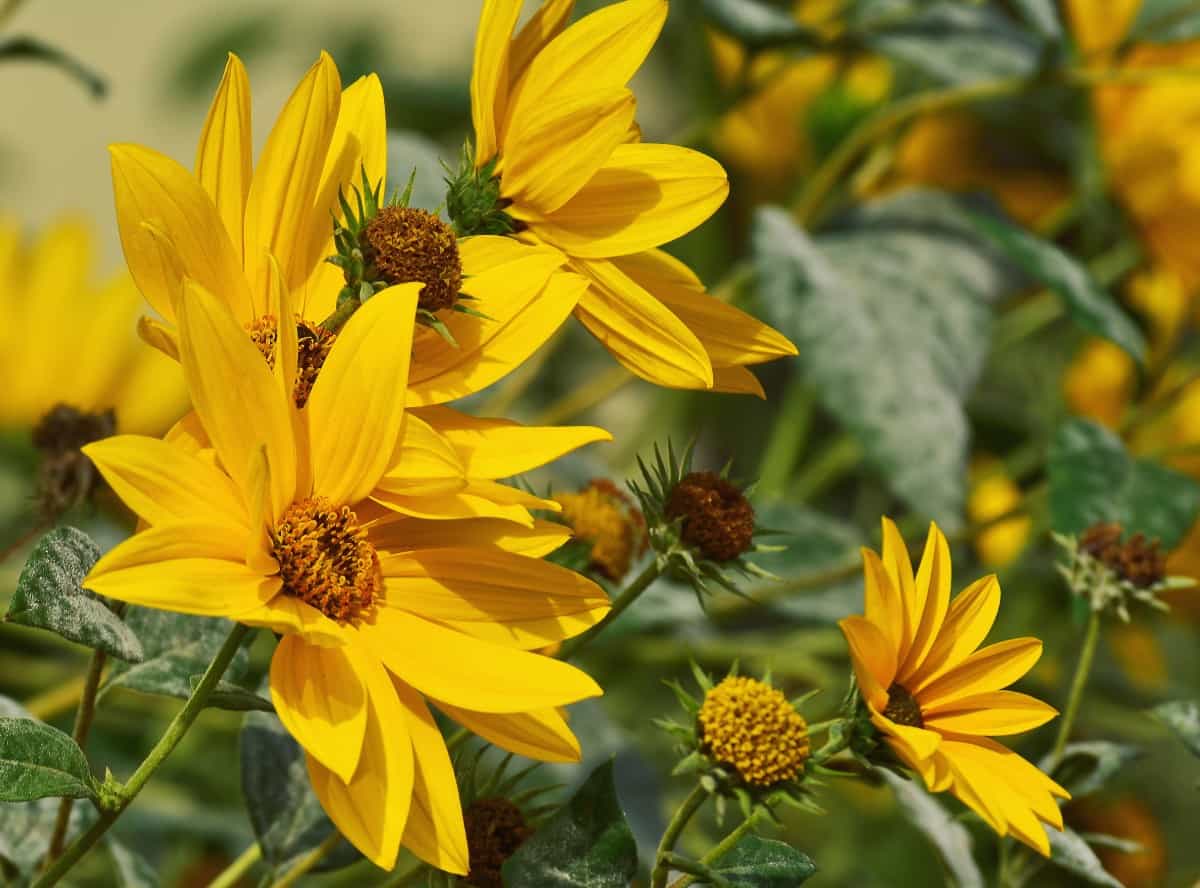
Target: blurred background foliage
(885,158)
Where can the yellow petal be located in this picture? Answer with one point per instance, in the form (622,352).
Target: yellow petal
(643,196)
(372,808)
(493,595)
(968,621)
(995,713)
(452,506)
(873,658)
(286,614)
(403,534)
(162,483)
(489,76)
(435,831)
(157,335)
(189,567)
(918,744)
(988,669)
(553,149)
(282,200)
(464,671)
(882,600)
(974,785)
(425,462)
(235,396)
(737,381)
(322,701)
(361,387)
(504,495)
(152,395)
(542,735)
(639,331)
(499,448)
(730,336)
(899,569)
(223,164)
(542,27)
(600,51)
(151,188)
(932,587)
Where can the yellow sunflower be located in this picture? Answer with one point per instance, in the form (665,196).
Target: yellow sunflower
(245,234)
(555,139)
(279,524)
(67,340)
(936,700)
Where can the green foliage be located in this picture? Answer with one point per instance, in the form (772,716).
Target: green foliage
(947,835)
(1092,308)
(50,596)
(1070,852)
(31,49)
(891,312)
(1093,478)
(1087,767)
(1182,717)
(586,844)
(1166,21)
(761,863)
(285,814)
(1042,16)
(756,25)
(132,870)
(37,761)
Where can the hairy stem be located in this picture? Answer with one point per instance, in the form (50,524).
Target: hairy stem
(658,878)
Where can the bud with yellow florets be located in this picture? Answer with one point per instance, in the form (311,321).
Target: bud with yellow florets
(606,522)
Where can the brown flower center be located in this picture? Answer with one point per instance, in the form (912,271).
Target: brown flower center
(404,244)
(496,828)
(903,708)
(313,345)
(326,560)
(718,520)
(1137,560)
(751,727)
(65,476)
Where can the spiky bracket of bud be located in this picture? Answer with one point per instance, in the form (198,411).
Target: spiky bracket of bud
(473,199)
(676,556)
(1096,570)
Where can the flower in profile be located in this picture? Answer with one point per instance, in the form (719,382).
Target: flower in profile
(936,701)
(74,368)
(605,519)
(271,514)
(558,160)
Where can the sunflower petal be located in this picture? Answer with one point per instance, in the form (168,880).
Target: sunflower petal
(993,714)
(489,76)
(425,462)
(404,534)
(361,387)
(899,568)
(737,381)
(223,163)
(873,657)
(967,623)
(932,587)
(542,735)
(988,669)
(881,598)
(543,26)
(322,701)
(463,671)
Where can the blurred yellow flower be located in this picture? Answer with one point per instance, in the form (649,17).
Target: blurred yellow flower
(68,340)
(994,494)
(1099,381)
(272,514)
(937,700)
(554,120)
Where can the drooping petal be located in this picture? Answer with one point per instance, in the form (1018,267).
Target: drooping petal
(425,462)
(932,588)
(282,198)
(994,714)
(151,189)
(730,336)
(542,27)
(321,700)
(494,596)
(235,396)
(464,671)
(189,567)
(361,388)
(643,196)
(542,735)
(435,831)
(642,334)
(873,658)
(988,669)
(162,483)
(967,623)
(223,162)
(918,744)
(500,448)
(489,76)
(404,534)
(372,808)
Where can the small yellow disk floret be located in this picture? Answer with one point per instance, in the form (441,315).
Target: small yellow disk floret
(604,516)
(752,727)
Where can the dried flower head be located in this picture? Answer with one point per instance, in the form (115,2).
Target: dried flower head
(605,517)
(1110,571)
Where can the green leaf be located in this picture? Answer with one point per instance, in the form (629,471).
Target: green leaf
(1093,478)
(235,698)
(586,844)
(1091,307)
(1042,16)
(1087,767)
(49,595)
(949,837)
(286,816)
(1182,717)
(37,761)
(892,312)
(762,863)
(32,49)
(755,25)
(1166,21)
(133,870)
(178,647)
(1070,852)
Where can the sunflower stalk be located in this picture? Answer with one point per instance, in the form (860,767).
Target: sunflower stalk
(1082,670)
(305,864)
(632,592)
(683,814)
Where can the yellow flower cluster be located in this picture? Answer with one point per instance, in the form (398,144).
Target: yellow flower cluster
(751,727)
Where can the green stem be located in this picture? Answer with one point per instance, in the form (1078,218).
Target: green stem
(124,795)
(1082,669)
(826,468)
(721,848)
(658,878)
(233,873)
(83,724)
(341,314)
(309,860)
(788,434)
(573,646)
